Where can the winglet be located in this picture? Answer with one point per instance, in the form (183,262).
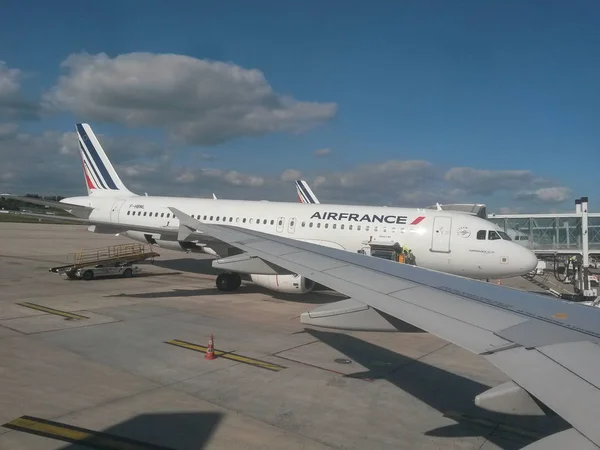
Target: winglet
(214,196)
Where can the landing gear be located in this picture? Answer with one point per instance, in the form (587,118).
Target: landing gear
(228,281)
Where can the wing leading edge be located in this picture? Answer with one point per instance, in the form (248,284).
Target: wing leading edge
(549,348)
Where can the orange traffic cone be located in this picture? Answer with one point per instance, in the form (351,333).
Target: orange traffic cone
(210,351)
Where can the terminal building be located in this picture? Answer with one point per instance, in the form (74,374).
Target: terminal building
(541,233)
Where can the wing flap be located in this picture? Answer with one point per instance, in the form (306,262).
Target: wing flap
(560,387)
(580,357)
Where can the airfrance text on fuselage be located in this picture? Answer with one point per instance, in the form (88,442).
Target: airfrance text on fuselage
(381,218)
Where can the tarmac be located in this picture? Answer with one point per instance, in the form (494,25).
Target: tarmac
(119,363)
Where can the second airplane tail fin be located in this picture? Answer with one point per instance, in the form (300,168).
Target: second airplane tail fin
(305,194)
(100,175)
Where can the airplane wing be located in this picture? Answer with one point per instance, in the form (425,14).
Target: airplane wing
(82,212)
(549,348)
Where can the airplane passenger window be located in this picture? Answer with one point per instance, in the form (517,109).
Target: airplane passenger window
(493,235)
(217,219)
(310,225)
(231,219)
(292,223)
(265,222)
(334,226)
(162,214)
(342,226)
(375,228)
(128,212)
(481,235)
(144,213)
(358,227)
(349,227)
(326,225)
(319,225)
(367,228)
(280,222)
(251,220)
(394,230)
(211,217)
(237,220)
(204,218)
(244,220)
(272,221)
(303,224)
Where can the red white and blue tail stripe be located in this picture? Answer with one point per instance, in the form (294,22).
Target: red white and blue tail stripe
(305,194)
(100,175)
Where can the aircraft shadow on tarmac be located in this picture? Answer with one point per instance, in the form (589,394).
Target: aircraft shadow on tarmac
(161,431)
(315,298)
(447,392)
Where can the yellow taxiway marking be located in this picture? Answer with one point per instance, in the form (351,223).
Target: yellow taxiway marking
(226,355)
(56,312)
(77,435)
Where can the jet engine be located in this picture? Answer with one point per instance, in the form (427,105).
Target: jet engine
(288,284)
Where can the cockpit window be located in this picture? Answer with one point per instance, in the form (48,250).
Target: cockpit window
(481,235)
(504,236)
(493,235)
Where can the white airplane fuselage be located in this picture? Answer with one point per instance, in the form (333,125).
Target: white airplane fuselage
(440,240)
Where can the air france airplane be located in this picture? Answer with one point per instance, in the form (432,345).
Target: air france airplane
(440,240)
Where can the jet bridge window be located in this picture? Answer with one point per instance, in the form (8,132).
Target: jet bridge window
(493,235)
(481,235)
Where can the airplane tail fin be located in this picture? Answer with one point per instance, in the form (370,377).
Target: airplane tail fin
(305,194)
(100,175)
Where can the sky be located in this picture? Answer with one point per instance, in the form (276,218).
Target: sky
(381,103)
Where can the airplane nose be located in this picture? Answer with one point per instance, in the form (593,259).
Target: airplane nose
(529,260)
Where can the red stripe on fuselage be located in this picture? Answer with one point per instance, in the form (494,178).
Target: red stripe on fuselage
(417,220)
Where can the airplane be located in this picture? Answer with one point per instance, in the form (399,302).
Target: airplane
(440,240)
(550,349)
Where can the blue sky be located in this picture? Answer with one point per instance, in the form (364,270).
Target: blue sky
(496,86)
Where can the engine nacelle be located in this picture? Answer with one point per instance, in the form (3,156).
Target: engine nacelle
(288,284)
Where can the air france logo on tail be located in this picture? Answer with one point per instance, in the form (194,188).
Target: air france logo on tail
(97,175)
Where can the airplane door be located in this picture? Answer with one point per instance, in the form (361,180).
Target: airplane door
(114,212)
(280,221)
(440,240)
(292,225)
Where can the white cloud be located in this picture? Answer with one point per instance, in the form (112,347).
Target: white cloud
(8,130)
(12,101)
(49,163)
(486,182)
(290,175)
(322,152)
(556,194)
(197,101)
